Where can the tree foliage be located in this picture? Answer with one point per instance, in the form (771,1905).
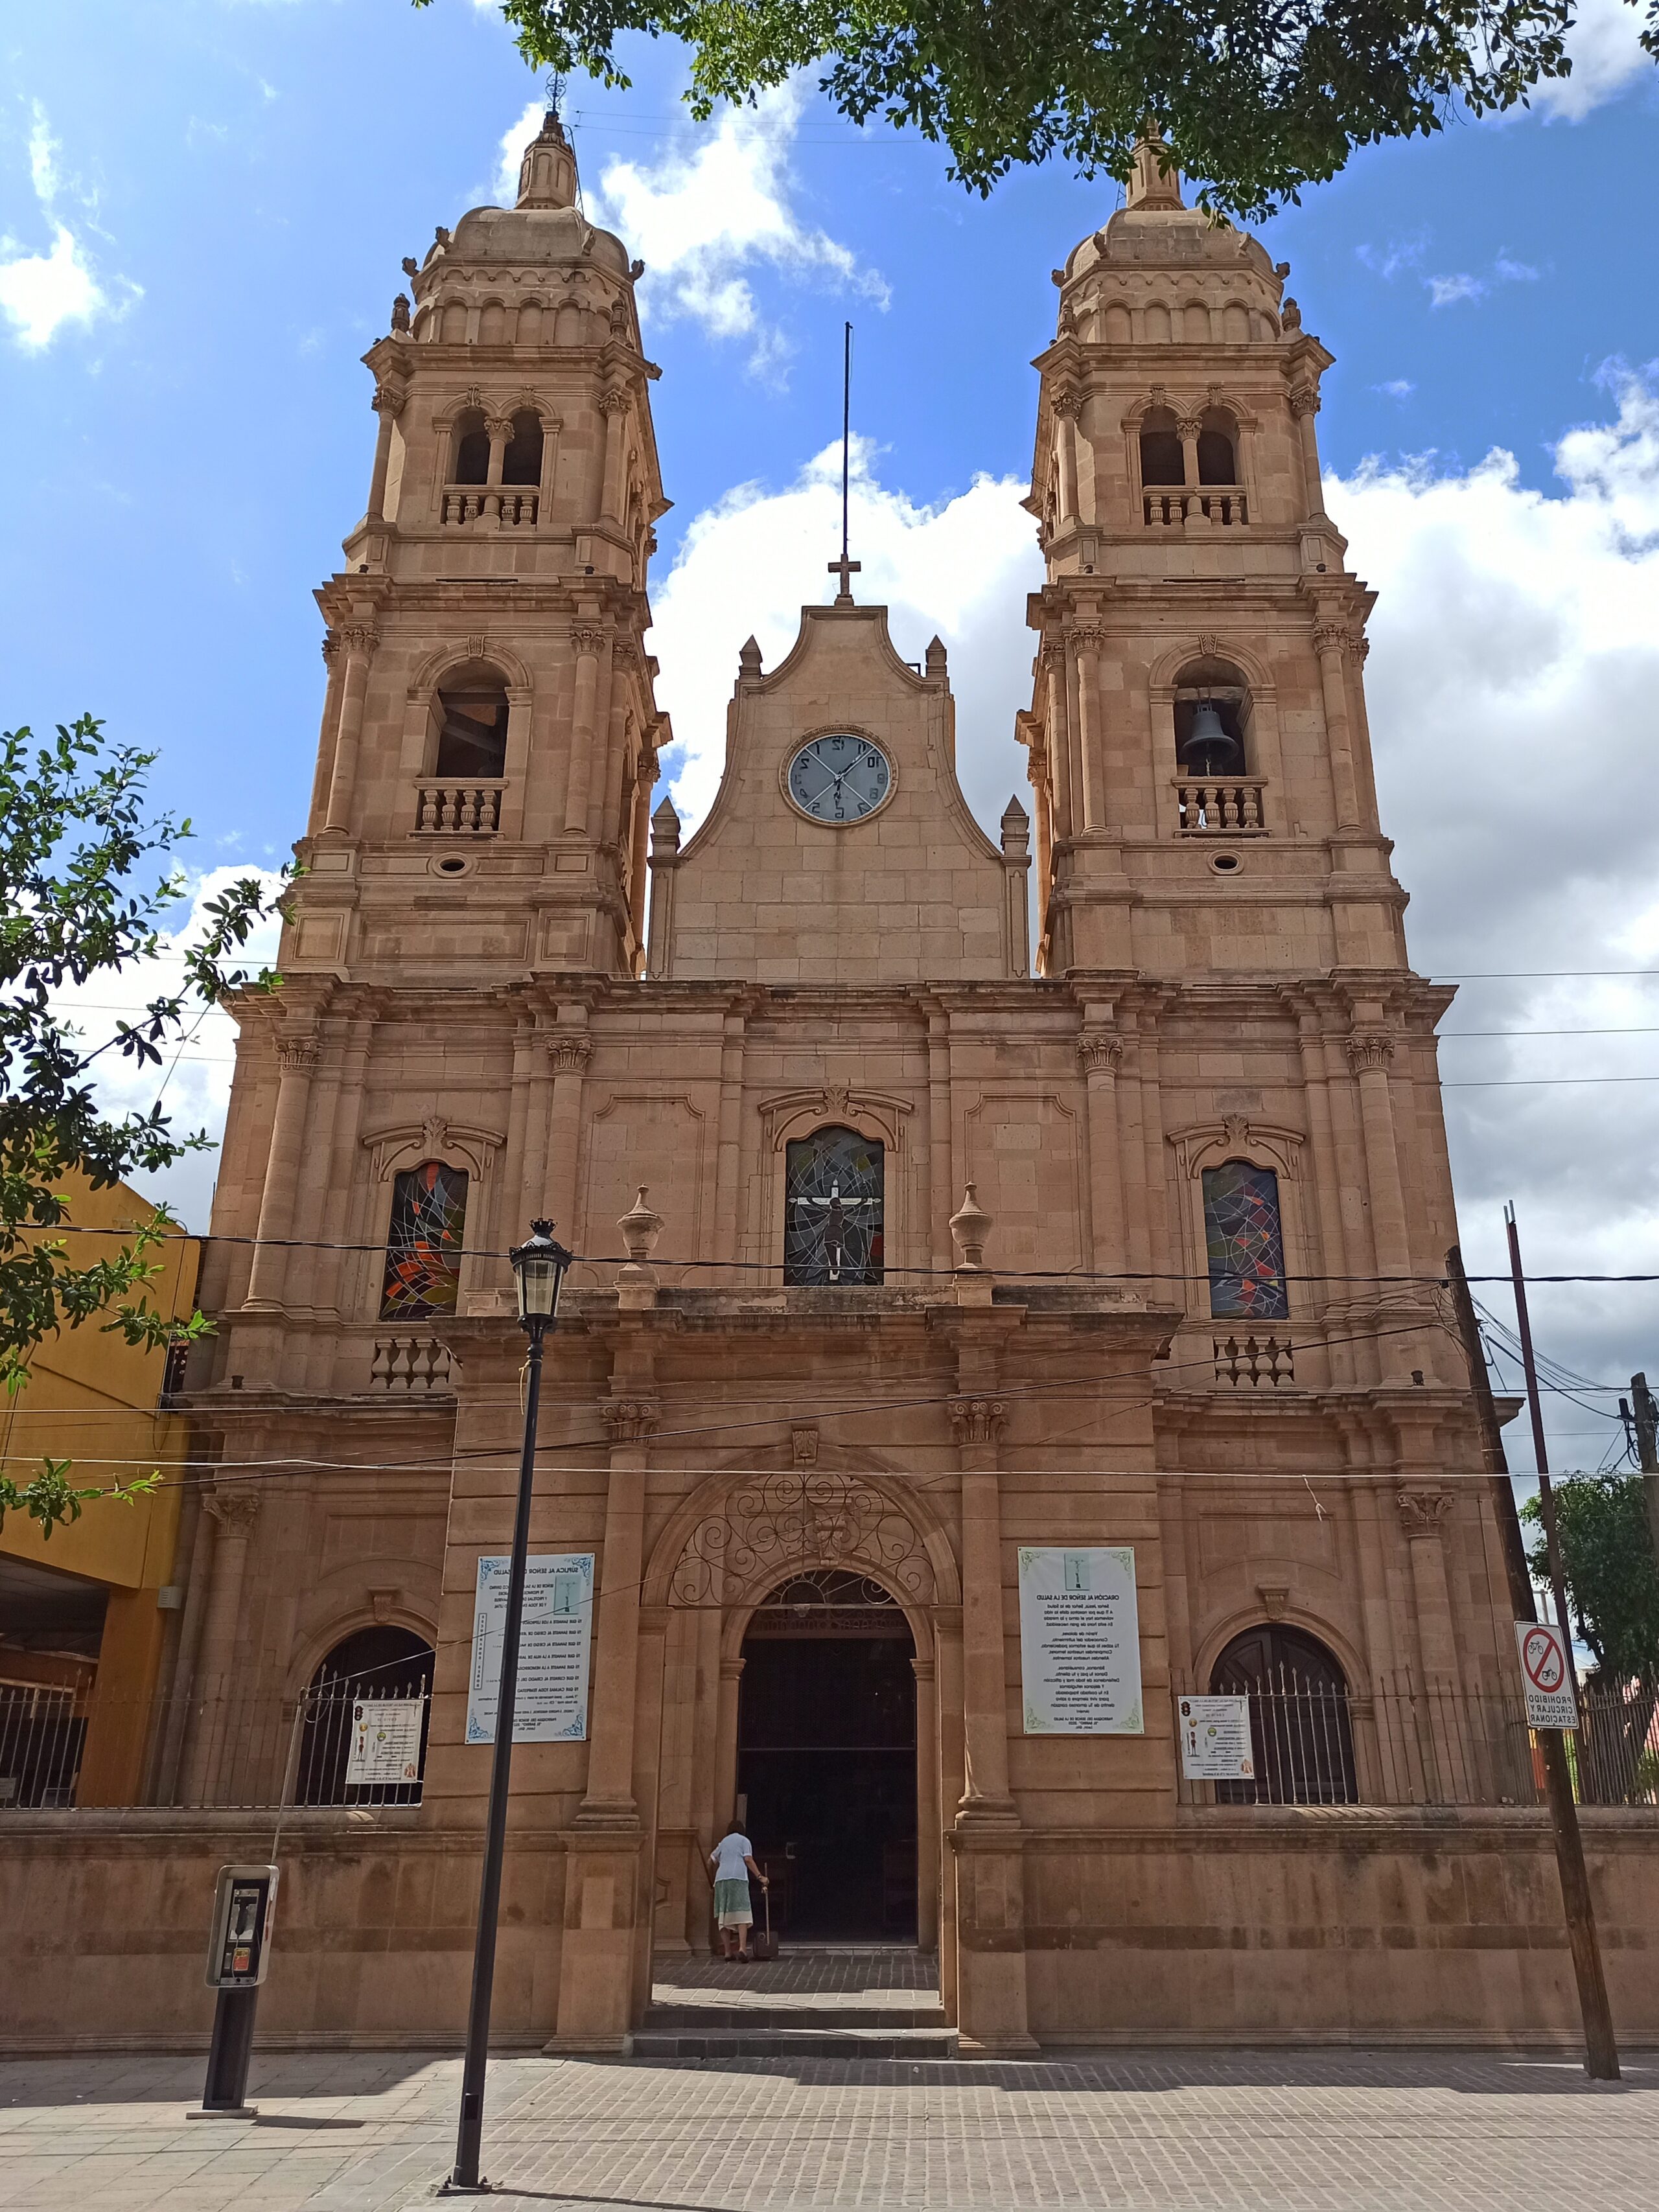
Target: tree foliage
(74,828)
(1608,1563)
(1255,97)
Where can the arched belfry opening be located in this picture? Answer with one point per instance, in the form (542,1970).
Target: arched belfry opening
(827,1757)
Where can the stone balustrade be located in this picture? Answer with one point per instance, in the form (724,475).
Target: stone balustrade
(512,506)
(410,1364)
(1180,507)
(464,810)
(1221,807)
(1254,1359)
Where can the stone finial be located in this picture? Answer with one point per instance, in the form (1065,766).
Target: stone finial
(636,1280)
(936,661)
(619,318)
(749,657)
(1289,314)
(970,1227)
(400,314)
(547,174)
(1015,832)
(664,832)
(1156,182)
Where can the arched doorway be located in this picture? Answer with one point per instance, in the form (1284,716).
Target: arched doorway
(827,1758)
(1300,1728)
(374,1663)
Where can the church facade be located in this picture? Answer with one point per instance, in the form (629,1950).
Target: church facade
(941,1202)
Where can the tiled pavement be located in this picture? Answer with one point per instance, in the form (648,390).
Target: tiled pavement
(1310,2131)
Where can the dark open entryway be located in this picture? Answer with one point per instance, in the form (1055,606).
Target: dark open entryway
(827,1759)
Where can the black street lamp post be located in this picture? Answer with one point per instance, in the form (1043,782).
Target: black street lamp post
(538,1270)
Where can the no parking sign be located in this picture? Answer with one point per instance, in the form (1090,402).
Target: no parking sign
(1546,1675)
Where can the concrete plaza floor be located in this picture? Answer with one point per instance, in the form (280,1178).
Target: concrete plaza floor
(1192,2131)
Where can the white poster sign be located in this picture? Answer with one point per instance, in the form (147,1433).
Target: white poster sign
(1215,1740)
(385,1741)
(1546,1675)
(1079,1642)
(552,1704)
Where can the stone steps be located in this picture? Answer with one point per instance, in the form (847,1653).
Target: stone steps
(799,2007)
(823,2042)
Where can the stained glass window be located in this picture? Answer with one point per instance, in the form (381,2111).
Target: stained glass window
(833,1209)
(424,1249)
(1245,1247)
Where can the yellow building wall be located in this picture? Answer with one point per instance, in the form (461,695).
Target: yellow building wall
(92,1398)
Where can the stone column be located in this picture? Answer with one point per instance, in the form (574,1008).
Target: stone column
(940,1178)
(1037,770)
(1422,1517)
(1067,406)
(987,1839)
(1099,1053)
(1187,429)
(929,1840)
(726,1744)
(1059,750)
(568,1056)
(1370,1052)
(296,1059)
(610,1795)
(588,641)
(728,1156)
(1086,642)
(615,406)
(358,639)
(653,1625)
(330,737)
(947,1706)
(389,400)
(645,776)
(1304,406)
(1330,642)
(235,1509)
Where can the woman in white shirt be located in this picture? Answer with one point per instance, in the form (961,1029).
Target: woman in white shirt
(732,1861)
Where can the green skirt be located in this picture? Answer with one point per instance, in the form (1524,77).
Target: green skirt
(732,1906)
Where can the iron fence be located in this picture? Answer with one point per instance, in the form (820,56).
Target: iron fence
(61,1747)
(1406,1742)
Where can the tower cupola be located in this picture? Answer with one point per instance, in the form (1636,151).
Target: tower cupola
(547,174)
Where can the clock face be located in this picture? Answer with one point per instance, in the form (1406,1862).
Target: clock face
(840,778)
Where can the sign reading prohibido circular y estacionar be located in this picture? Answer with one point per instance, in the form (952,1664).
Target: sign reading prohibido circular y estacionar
(1546,1675)
(1079,1642)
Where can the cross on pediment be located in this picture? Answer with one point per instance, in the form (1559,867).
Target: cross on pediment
(846,570)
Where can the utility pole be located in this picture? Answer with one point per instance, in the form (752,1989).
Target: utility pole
(1601,2050)
(1535,1407)
(1645,1420)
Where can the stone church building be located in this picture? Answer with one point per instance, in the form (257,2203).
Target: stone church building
(1080,1189)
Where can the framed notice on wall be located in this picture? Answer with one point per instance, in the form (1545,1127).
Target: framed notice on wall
(554,1641)
(1079,1641)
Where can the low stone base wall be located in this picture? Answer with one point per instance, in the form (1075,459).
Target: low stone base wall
(1232,1926)
(104,1927)
(1339,1925)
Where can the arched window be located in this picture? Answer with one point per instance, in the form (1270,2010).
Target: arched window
(832,1218)
(1218,449)
(350,1753)
(1162,461)
(424,1244)
(1301,1733)
(1244,1244)
(469,449)
(472,732)
(522,462)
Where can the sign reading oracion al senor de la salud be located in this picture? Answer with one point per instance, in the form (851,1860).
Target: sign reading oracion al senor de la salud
(1079,1641)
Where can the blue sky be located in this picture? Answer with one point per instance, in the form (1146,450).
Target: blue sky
(203,204)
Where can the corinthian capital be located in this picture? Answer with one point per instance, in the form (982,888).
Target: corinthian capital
(359,637)
(1332,637)
(1423,1511)
(235,1509)
(1100,1051)
(977,1421)
(389,398)
(612,402)
(1087,637)
(1305,400)
(296,1055)
(1066,401)
(569,1055)
(1368,1050)
(586,639)
(630,1420)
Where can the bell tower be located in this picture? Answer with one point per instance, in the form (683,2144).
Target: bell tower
(490,734)
(1198,733)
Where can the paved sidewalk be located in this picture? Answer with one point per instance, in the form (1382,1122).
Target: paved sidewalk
(1339,2131)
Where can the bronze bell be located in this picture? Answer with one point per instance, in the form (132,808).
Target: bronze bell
(1207,749)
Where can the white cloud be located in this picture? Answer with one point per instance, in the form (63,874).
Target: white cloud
(1606,54)
(961,568)
(712,210)
(1398,388)
(516,136)
(1514,669)
(196,1090)
(42,291)
(1446,291)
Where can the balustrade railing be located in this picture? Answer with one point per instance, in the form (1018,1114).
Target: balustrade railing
(410,1365)
(464,810)
(1406,1742)
(1230,805)
(1254,1359)
(1198,506)
(510,505)
(232,1751)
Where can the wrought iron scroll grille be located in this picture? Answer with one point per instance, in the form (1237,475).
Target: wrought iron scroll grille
(792,1522)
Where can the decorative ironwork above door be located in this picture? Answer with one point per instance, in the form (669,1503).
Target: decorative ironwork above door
(800,1519)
